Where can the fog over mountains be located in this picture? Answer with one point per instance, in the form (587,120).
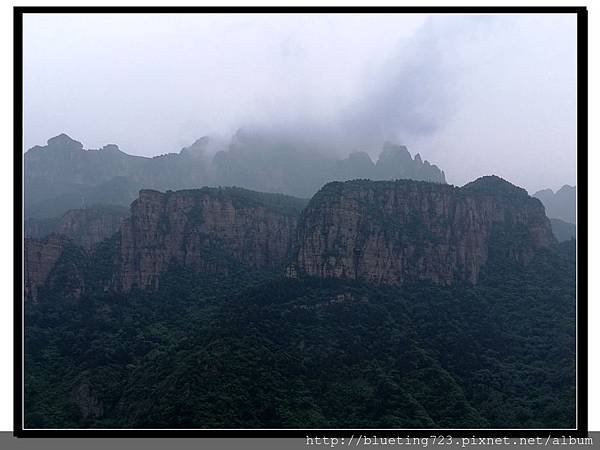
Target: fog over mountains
(62,175)
(476,94)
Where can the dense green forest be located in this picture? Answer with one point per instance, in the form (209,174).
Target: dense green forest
(257,351)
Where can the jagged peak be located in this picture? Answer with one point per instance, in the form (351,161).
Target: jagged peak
(393,151)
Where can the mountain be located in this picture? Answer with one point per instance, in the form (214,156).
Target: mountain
(394,232)
(209,230)
(63,175)
(376,304)
(560,204)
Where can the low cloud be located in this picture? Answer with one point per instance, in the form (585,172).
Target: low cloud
(449,86)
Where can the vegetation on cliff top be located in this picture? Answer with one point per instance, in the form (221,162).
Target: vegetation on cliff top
(245,198)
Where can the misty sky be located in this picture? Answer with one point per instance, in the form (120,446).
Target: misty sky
(473,94)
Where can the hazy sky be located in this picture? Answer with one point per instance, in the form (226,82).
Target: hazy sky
(474,94)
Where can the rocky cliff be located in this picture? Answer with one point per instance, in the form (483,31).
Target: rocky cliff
(402,231)
(86,227)
(209,230)
(385,232)
(53,261)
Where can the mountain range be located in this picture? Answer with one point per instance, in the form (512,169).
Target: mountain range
(62,178)
(384,232)
(267,284)
(63,175)
(392,304)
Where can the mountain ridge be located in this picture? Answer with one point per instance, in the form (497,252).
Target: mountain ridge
(63,175)
(384,232)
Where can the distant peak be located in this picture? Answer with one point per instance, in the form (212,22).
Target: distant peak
(566,188)
(488,180)
(494,184)
(64,141)
(391,151)
(111,148)
(544,192)
(198,148)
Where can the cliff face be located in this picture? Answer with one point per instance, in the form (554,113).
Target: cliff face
(53,261)
(39,259)
(386,232)
(206,230)
(86,227)
(395,232)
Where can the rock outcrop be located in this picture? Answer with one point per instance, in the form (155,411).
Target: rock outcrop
(40,256)
(403,231)
(209,230)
